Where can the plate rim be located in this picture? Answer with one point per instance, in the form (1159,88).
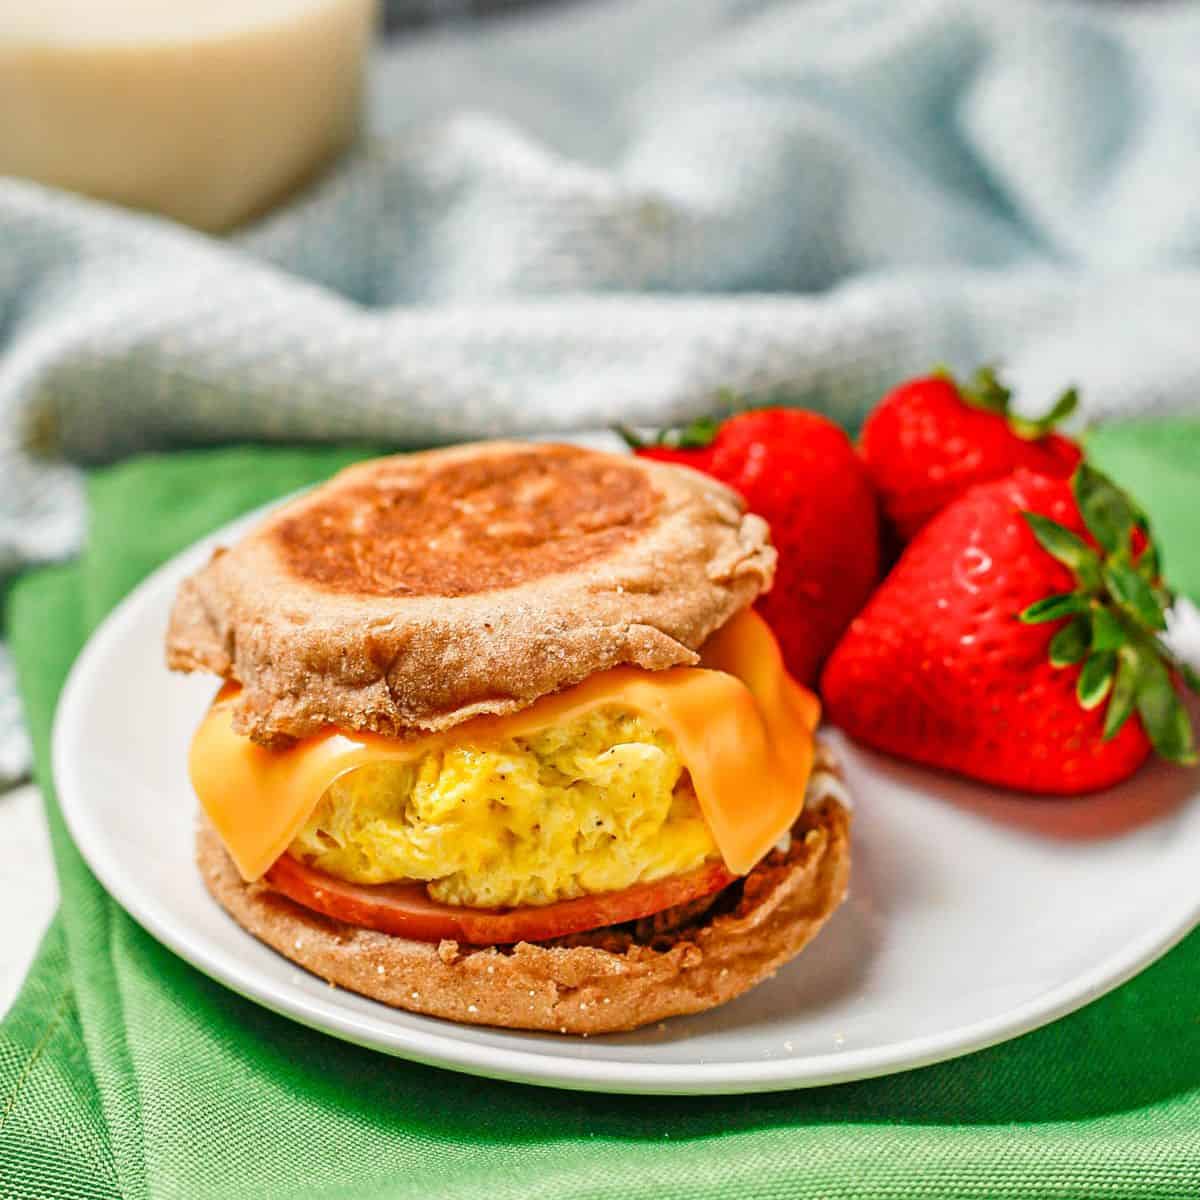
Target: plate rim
(438,1046)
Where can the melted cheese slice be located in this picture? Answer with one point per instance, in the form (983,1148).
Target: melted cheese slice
(743,728)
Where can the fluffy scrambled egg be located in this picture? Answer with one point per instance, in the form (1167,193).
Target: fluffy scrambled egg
(598,804)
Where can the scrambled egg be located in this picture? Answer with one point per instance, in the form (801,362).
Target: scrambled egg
(595,805)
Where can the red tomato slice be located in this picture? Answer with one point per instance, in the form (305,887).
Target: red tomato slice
(406,910)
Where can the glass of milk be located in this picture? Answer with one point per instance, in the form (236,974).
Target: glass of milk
(206,111)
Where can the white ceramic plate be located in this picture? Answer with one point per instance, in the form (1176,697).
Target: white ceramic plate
(973,916)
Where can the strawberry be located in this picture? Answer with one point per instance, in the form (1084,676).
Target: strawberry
(930,439)
(799,471)
(1016,638)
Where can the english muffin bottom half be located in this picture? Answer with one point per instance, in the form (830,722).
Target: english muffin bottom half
(502,740)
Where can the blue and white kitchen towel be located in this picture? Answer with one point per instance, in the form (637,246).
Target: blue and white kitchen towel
(610,210)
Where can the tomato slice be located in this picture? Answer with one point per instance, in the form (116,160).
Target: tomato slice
(406,909)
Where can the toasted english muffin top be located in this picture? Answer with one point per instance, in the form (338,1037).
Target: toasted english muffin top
(420,590)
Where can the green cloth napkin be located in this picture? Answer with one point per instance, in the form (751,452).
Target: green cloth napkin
(123,1072)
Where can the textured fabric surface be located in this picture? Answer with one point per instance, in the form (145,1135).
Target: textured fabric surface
(558,220)
(123,1072)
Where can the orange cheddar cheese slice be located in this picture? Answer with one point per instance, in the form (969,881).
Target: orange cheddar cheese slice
(742,726)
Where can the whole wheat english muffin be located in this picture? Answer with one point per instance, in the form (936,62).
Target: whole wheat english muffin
(502,740)
(421,590)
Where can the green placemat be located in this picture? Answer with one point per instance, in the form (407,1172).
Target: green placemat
(123,1072)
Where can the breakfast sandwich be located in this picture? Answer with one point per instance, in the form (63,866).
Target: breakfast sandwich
(502,740)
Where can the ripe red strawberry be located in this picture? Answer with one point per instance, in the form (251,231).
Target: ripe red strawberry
(930,439)
(992,646)
(799,471)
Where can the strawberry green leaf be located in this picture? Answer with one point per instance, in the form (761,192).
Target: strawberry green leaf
(985,391)
(1096,678)
(1163,716)
(1070,549)
(1071,642)
(1134,594)
(694,436)
(1032,428)
(1191,677)
(1107,631)
(1053,608)
(1186,672)
(1105,509)
(1124,692)
(1062,408)
(699,433)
